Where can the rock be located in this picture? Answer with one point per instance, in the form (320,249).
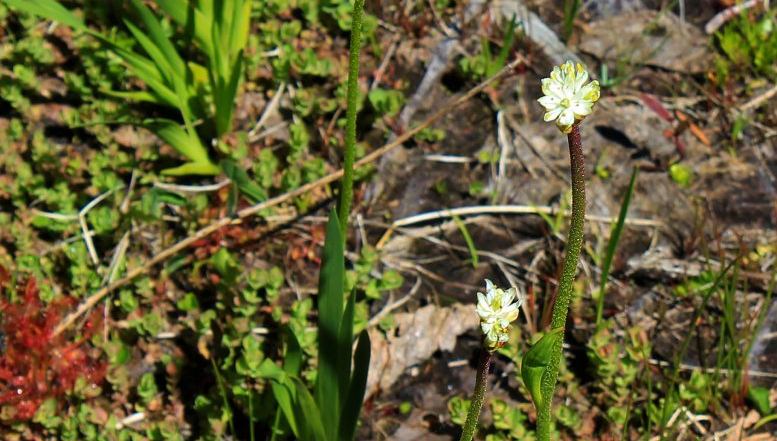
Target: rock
(648,37)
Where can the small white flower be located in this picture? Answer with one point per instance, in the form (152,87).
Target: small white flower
(567,98)
(497,310)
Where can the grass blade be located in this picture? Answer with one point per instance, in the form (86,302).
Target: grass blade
(507,46)
(613,244)
(224,396)
(353,401)
(330,315)
(473,251)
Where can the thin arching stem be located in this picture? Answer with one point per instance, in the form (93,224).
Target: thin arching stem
(471,425)
(565,286)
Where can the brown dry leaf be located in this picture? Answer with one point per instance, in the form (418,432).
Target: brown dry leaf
(417,336)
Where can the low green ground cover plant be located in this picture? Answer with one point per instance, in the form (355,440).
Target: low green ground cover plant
(204,94)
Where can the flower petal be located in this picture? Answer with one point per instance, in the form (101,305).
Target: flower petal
(581,76)
(553,87)
(590,92)
(549,101)
(553,113)
(567,117)
(581,108)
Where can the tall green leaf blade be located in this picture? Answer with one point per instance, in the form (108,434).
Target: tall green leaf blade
(310,414)
(330,314)
(145,69)
(135,95)
(192,20)
(292,362)
(349,416)
(51,10)
(345,341)
(283,393)
(158,36)
(172,133)
(192,168)
(225,98)
(170,75)
(241,20)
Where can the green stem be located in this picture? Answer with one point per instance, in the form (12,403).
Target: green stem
(565,286)
(471,425)
(346,189)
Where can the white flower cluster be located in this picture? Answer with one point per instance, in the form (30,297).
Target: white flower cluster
(567,99)
(497,310)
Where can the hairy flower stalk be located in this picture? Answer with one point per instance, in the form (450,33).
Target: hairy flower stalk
(497,309)
(567,101)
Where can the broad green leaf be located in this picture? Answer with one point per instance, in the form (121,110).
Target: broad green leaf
(269,370)
(353,402)
(760,398)
(330,315)
(535,364)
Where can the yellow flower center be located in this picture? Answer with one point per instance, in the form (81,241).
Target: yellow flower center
(565,103)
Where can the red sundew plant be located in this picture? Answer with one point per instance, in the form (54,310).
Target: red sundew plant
(34,365)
